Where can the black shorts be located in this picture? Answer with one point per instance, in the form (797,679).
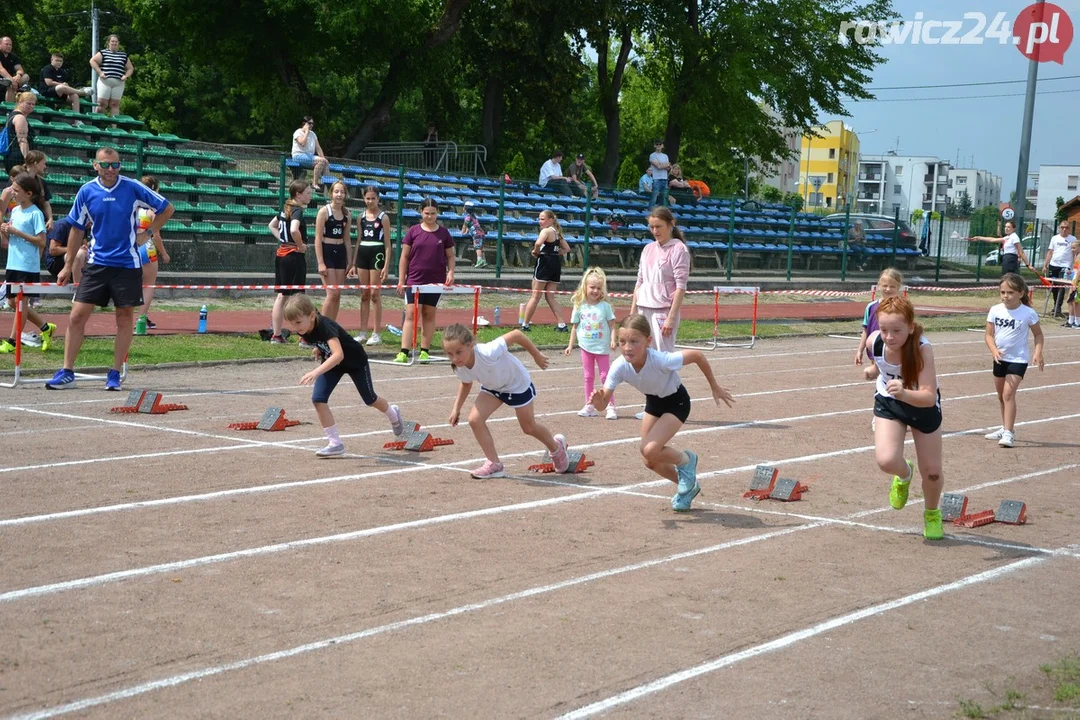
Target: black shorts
(370,257)
(431,299)
(100,285)
(1072,297)
(54,264)
(290,269)
(1001,369)
(548,268)
(677,404)
(361,377)
(20,276)
(925,420)
(334,256)
(1010,263)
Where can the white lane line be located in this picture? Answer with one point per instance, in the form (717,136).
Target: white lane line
(141,689)
(798,636)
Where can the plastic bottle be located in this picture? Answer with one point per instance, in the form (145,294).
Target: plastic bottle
(521,314)
(393,329)
(140,325)
(202,319)
(496,316)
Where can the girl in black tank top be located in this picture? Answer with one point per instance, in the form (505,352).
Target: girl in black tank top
(332,246)
(370,264)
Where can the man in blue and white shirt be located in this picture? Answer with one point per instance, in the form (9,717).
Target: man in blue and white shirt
(113,271)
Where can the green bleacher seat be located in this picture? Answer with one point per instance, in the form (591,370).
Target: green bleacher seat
(203,227)
(208,207)
(177,187)
(182,206)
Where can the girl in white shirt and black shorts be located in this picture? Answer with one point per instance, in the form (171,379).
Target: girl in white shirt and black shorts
(1012,254)
(1007,326)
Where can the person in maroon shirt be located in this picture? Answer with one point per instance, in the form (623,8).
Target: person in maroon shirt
(427,258)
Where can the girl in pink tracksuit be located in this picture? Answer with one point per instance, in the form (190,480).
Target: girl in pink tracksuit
(663,272)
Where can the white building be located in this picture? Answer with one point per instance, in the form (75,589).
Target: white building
(906,182)
(875,185)
(1053,182)
(784,176)
(982,186)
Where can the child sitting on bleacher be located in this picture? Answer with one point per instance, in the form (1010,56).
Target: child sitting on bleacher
(471,225)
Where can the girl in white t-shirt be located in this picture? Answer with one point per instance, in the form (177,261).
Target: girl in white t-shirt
(1007,326)
(667,404)
(503,381)
(1012,254)
(593,326)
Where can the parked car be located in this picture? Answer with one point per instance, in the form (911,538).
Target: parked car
(879,225)
(994,256)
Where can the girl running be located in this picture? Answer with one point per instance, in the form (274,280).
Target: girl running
(332,246)
(151,249)
(1007,326)
(290,266)
(340,355)
(548,250)
(370,264)
(667,404)
(25,233)
(593,324)
(503,381)
(888,285)
(1012,254)
(907,397)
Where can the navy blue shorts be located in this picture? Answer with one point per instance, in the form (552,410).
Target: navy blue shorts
(514,400)
(361,377)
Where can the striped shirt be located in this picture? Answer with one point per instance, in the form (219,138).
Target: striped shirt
(113,63)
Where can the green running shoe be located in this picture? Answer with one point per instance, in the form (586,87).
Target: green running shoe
(898,493)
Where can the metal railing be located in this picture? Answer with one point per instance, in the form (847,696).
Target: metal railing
(441,157)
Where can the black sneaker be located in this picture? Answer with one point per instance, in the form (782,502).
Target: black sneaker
(526,327)
(150,324)
(562,328)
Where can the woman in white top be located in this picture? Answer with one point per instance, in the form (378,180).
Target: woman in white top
(1012,254)
(113,68)
(1058,262)
(306,149)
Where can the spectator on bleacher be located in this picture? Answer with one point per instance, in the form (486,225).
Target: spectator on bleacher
(857,245)
(290,265)
(307,150)
(427,258)
(549,248)
(371,263)
(333,246)
(113,67)
(20,134)
(701,190)
(113,272)
(12,76)
(679,188)
(470,225)
(151,249)
(551,176)
(578,170)
(659,163)
(644,183)
(431,143)
(57,249)
(663,272)
(55,85)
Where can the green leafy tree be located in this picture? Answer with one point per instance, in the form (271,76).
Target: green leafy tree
(964,206)
(916,214)
(516,168)
(771,194)
(1059,214)
(629,174)
(795,200)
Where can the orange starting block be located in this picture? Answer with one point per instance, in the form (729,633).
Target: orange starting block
(149,403)
(273,420)
(576,459)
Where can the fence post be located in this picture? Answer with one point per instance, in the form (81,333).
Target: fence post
(895,236)
(730,239)
(790,242)
(846,241)
(499,240)
(588,221)
(139,158)
(400,212)
(282,170)
(940,242)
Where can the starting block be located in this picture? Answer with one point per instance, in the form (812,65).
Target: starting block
(273,420)
(761,485)
(149,403)
(576,459)
(417,440)
(953,506)
(1009,512)
(788,490)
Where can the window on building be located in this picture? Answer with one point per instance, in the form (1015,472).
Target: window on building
(832,153)
(1074,180)
(830,178)
(897,189)
(961,181)
(899,170)
(828,201)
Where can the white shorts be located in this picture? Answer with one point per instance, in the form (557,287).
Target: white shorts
(656,318)
(110,88)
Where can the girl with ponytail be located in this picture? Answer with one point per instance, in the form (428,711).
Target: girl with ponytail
(549,248)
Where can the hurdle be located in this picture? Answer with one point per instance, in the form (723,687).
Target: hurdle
(20,290)
(715,343)
(473,290)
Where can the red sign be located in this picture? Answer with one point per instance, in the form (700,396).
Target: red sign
(1043,32)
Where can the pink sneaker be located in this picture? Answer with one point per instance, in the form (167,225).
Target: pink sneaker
(558,458)
(489,470)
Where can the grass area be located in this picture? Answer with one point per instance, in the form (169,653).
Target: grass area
(162,349)
(1058,696)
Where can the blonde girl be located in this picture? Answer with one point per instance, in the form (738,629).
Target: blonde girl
(888,285)
(290,266)
(332,246)
(593,325)
(370,264)
(151,249)
(906,397)
(1007,326)
(549,248)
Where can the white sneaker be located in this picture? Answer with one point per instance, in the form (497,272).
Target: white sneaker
(31,339)
(588,411)
(361,338)
(1007,439)
(996,435)
(374,339)
(331,450)
(640,415)
(611,414)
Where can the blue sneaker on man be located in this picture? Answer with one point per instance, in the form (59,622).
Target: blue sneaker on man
(687,472)
(112,381)
(62,380)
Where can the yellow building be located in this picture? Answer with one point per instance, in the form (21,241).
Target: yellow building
(828,167)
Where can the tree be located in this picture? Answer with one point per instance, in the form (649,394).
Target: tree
(916,214)
(964,206)
(629,174)
(771,194)
(1059,215)
(795,200)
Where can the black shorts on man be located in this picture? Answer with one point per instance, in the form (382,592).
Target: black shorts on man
(101,285)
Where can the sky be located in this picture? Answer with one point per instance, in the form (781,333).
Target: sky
(987,129)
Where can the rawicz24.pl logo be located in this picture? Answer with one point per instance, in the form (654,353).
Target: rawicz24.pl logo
(1042,31)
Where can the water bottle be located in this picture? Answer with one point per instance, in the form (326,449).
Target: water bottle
(496,316)
(393,329)
(202,319)
(140,325)
(521,314)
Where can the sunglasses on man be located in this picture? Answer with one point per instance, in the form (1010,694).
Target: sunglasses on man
(115,165)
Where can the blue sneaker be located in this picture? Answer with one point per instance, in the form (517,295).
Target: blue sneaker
(112,381)
(681,502)
(62,380)
(687,473)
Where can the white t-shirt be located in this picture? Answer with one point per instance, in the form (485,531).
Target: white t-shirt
(308,147)
(1009,247)
(1062,249)
(549,169)
(1011,331)
(495,368)
(593,326)
(659,173)
(659,375)
(886,370)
